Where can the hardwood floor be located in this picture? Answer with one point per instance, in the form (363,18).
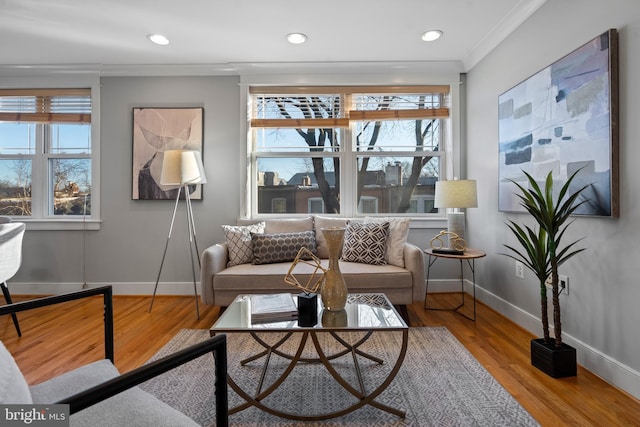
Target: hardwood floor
(58,339)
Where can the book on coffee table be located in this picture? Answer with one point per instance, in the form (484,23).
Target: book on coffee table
(273,307)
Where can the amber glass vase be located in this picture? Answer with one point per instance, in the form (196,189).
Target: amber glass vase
(334,289)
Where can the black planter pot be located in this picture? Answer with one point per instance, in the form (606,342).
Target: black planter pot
(555,362)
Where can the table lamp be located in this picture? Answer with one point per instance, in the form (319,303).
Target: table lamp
(456,194)
(182,168)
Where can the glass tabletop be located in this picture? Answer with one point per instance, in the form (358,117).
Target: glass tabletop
(362,312)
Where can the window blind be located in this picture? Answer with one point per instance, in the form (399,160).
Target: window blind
(288,110)
(45,105)
(336,106)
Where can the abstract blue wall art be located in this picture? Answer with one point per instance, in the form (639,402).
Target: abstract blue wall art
(561,119)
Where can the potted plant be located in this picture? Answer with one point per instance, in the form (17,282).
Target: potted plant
(542,252)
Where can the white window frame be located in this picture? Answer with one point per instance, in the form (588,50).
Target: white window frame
(40,219)
(452,167)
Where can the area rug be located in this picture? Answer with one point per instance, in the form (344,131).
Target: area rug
(439,384)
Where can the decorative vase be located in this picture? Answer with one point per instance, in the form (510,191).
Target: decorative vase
(333,289)
(555,362)
(334,319)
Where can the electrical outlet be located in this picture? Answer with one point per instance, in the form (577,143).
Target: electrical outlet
(519,270)
(563,284)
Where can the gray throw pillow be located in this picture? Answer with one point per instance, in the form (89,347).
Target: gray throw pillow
(281,247)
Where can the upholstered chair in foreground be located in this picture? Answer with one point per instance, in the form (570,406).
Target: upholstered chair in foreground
(97,394)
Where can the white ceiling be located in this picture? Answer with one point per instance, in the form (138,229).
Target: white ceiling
(248,36)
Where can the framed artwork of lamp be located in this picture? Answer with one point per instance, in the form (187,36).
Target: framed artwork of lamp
(455,195)
(156,131)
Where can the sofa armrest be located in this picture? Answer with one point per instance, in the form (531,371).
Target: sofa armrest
(213,260)
(414,262)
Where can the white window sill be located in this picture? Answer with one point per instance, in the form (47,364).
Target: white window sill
(60,224)
(430,223)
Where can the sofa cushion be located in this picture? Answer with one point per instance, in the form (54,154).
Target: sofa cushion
(398,234)
(326,222)
(393,281)
(365,243)
(239,242)
(280,247)
(288,225)
(133,407)
(13,386)
(73,382)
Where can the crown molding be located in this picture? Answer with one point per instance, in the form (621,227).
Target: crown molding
(299,69)
(520,12)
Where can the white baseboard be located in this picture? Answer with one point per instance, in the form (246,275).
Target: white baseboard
(597,362)
(121,288)
(592,359)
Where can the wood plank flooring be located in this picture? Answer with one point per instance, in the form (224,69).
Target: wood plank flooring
(58,339)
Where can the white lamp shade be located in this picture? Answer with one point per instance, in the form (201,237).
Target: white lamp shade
(456,194)
(182,167)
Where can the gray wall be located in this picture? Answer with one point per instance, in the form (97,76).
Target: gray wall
(126,251)
(600,314)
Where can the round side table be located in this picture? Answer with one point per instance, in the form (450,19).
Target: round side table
(470,256)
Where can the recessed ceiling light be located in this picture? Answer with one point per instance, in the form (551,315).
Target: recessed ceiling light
(431,35)
(296,38)
(158,39)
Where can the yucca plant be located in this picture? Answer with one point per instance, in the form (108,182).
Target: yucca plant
(542,252)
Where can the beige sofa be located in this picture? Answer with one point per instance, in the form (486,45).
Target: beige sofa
(221,283)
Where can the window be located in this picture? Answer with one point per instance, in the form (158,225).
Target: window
(422,204)
(45,153)
(278,205)
(368,205)
(360,150)
(315,205)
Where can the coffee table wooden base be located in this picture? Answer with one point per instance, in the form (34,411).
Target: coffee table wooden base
(364,397)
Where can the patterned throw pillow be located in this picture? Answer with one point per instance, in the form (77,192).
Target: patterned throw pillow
(365,243)
(398,234)
(281,247)
(239,242)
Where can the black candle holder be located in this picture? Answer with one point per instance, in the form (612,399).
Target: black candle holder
(307,309)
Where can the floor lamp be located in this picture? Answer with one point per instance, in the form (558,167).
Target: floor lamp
(456,194)
(182,168)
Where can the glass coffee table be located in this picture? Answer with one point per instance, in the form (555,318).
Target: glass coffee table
(364,313)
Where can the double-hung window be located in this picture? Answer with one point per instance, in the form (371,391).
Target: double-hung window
(347,150)
(45,154)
